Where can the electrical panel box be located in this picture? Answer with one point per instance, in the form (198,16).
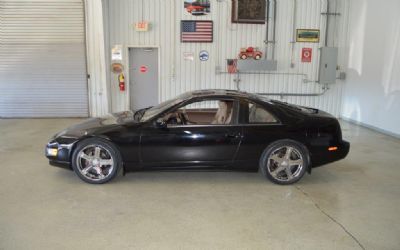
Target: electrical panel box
(327,65)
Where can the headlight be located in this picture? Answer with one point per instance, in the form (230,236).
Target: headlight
(51,151)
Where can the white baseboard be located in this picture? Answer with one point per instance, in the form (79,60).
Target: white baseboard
(383,131)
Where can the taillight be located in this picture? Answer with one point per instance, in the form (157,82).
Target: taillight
(332,148)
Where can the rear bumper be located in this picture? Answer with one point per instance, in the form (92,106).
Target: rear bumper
(323,156)
(343,150)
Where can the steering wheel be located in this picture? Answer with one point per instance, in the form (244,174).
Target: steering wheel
(178,118)
(185,118)
(174,118)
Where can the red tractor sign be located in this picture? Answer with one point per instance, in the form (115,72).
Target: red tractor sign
(193,9)
(250,52)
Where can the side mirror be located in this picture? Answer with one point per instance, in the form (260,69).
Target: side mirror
(160,123)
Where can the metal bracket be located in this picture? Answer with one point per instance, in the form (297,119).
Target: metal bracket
(236,80)
(267,42)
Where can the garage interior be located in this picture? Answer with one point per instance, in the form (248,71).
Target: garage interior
(62,62)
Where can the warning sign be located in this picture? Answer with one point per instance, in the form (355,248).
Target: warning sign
(306,54)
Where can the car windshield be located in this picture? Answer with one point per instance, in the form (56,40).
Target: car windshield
(154,111)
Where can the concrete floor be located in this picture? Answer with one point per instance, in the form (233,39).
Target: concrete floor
(351,204)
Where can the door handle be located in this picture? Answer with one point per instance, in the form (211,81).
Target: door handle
(232,135)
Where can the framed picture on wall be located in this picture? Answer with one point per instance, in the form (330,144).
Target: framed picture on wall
(249,11)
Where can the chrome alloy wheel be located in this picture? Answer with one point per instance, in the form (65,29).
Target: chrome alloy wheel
(285,163)
(95,162)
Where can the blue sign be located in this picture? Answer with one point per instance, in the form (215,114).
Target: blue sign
(203,55)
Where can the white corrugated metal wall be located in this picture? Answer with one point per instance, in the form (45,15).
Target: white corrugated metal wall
(178,75)
(42,59)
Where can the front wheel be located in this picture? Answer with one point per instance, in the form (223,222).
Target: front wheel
(284,162)
(96,161)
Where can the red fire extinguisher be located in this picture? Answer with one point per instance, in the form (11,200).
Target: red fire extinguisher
(121,80)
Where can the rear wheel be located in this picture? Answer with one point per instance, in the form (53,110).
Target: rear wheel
(96,161)
(243,57)
(284,162)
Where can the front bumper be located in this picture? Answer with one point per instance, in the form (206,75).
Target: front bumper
(59,154)
(61,164)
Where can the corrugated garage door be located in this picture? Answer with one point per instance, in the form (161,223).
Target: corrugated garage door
(42,59)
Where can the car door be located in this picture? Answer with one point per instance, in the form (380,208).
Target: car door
(193,144)
(260,128)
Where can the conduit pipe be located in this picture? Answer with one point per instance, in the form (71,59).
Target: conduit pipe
(294,24)
(267,41)
(267,31)
(268,73)
(327,23)
(174,47)
(282,94)
(274,32)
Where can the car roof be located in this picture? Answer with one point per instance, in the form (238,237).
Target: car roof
(224,92)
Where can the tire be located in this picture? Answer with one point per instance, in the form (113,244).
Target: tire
(284,162)
(96,161)
(243,57)
(257,57)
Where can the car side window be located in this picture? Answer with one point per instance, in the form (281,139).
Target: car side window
(259,115)
(205,112)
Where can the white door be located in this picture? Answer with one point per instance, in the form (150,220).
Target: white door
(143,77)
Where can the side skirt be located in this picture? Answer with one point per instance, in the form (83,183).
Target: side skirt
(193,166)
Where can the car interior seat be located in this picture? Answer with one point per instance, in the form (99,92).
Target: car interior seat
(224,113)
(259,115)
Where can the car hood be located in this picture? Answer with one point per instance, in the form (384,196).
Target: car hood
(98,125)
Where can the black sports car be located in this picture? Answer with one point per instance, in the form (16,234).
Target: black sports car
(203,130)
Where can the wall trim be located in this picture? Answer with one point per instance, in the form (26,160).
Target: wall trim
(371,127)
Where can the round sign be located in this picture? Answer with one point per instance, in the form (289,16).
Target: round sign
(117,68)
(306,54)
(203,55)
(143,69)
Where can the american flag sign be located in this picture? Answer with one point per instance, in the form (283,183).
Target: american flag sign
(196,31)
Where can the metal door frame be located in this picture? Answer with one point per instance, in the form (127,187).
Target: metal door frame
(127,76)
